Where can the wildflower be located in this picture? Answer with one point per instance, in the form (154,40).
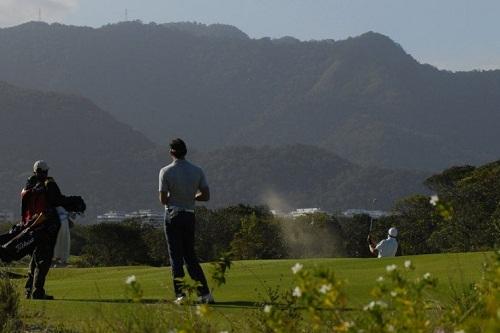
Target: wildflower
(267,308)
(202,310)
(408,264)
(297,267)
(374,304)
(391,268)
(461,331)
(394,293)
(325,288)
(224,332)
(434,200)
(427,276)
(297,292)
(131,279)
(380,279)
(390,328)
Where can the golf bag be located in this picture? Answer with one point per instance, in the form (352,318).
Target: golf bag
(18,243)
(74,204)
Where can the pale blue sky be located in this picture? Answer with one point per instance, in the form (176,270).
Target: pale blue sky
(450,34)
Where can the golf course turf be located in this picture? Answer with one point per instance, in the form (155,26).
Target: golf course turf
(88,295)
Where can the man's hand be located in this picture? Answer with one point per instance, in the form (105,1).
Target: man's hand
(163,197)
(203,194)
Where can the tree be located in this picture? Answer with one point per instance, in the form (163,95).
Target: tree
(258,238)
(115,244)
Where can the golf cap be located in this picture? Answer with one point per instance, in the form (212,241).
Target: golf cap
(393,232)
(40,165)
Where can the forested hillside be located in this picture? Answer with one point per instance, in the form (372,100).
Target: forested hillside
(363,98)
(114,167)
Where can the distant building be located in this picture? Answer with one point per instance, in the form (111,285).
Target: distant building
(145,216)
(304,211)
(359,211)
(111,216)
(6,216)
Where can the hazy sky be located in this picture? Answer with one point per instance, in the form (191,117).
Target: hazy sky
(449,34)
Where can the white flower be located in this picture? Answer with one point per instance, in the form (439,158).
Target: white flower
(381,304)
(391,268)
(297,267)
(427,276)
(267,308)
(380,279)
(461,331)
(325,288)
(434,200)
(369,306)
(297,292)
(394,293)
(390,328)
(224,332)
(408,264)
(374,304)
(131,279)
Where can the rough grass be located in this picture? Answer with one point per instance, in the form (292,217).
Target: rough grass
(93,296)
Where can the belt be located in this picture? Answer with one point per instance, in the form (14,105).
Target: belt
(180,209)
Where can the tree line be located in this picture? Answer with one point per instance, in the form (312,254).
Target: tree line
(463,215)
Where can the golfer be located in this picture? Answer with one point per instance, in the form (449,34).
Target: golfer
(181,184)
(387,247)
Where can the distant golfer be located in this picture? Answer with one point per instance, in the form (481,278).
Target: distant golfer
(181,184)
(387,247)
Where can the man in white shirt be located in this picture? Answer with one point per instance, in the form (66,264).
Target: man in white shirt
(181,183)
(387,247)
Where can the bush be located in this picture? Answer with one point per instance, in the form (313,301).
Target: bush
(9,305)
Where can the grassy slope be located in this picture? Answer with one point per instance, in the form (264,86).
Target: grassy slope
(98,293)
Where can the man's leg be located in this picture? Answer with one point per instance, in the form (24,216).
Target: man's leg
(43,259)
(28,287)
(192,264)
(174,242)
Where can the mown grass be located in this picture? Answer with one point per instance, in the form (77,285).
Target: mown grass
(92,296)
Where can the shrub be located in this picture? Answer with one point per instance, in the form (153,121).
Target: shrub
(9,305)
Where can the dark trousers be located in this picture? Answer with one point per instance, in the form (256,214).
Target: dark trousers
(41,259)
(180,238)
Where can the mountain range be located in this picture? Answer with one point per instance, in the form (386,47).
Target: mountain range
(363,99)
(115,167)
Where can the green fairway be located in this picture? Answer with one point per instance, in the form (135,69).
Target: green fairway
(84,295)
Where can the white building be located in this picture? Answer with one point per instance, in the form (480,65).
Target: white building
(304,211)
(111,216)
(145,216)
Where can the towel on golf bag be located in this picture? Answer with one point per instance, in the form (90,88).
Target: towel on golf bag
(63,241)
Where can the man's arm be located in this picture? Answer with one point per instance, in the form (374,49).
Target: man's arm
(372,246)
(203,194)
(163,196)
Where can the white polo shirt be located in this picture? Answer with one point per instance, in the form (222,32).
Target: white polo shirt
(181,179)
(387,247)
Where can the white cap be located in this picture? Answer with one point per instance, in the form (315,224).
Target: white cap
(40,165)
(393,232)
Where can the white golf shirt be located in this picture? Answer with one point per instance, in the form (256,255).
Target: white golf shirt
(387,247)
